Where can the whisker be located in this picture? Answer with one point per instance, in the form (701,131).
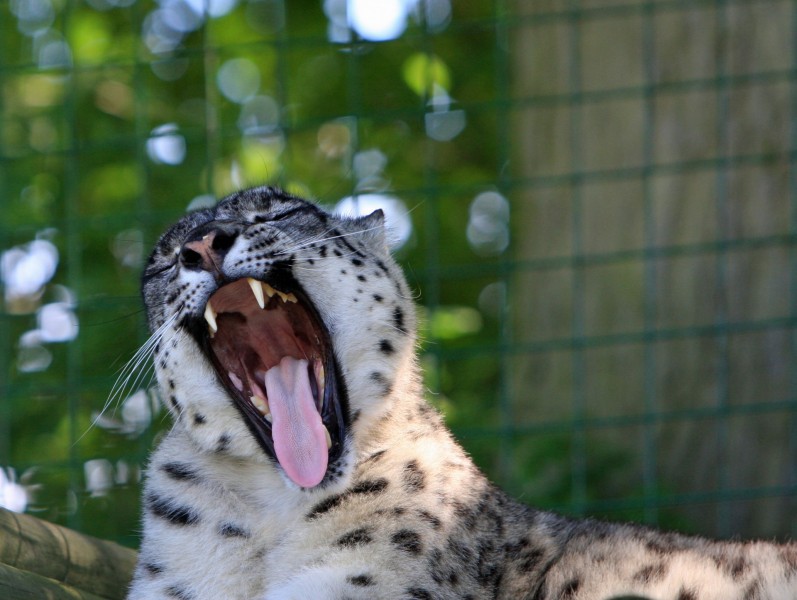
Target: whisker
(307,242)
(132,374)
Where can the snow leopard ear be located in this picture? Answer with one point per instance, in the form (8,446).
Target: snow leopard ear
(372,228)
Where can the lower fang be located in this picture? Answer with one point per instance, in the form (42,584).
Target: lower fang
(236,381)
(329,438)
(261,405)
(318,371)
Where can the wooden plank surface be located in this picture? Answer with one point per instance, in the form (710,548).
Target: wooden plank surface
(23,585)
(65,556)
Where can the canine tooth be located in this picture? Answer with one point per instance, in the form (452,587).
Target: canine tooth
(320,379)
(236,381)
(257,290)
(270,291)
(260,404)
(329,438)
(210,317)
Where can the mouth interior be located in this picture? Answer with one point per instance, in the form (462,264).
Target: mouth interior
(276,362)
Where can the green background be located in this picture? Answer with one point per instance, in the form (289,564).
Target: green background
(604,225)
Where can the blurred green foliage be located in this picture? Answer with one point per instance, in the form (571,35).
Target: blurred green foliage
(78,136)
(117,115)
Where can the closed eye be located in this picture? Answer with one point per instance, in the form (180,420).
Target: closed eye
(150,274)
(283,215)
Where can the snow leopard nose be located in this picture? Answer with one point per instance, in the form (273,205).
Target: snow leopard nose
(207,246)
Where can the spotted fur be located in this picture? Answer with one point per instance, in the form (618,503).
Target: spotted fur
(402,512)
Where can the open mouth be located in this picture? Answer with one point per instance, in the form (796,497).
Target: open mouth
(274,356)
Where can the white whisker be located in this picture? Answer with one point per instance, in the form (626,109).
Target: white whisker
(310,241)
(132,373)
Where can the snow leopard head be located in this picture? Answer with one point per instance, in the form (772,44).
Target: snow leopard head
(280,330)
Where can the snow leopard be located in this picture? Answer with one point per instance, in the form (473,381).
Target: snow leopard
(305,463)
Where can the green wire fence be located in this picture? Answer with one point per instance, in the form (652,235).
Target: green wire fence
(595,200)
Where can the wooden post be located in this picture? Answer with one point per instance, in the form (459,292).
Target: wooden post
(42,560)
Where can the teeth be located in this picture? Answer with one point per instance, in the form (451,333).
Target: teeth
(210,317)
(262,405)
(236,381)
(329,438)
(270,292)
(319,378)
(257,290)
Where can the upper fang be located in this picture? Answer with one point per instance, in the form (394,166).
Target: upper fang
(257,290)
(210,317)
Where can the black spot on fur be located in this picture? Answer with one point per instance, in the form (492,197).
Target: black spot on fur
(175,403)
(651,573)
(370,486)
(413,477)
(530,560)
(408,541)
(356,262)
(686,594)
(357,537)
(460,551)
(199,419)
(662,544)
(180,471)
(224,443)
(362,580)
(381,380)
(152,568)
(171,384)
(179,593)
(430,518)
(378,298)
(361,278)
(570,589)
(230,530)
(752,591)
(382,266)
(167,510)
(735,567)
(386,347)
(398,319)
(416,593)
(788,554)
(324,506)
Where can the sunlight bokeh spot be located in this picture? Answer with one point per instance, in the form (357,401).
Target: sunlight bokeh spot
(238,79)
(166,146)
(397,217)
(378,20)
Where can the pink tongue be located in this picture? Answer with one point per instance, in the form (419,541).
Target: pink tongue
(299,438)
